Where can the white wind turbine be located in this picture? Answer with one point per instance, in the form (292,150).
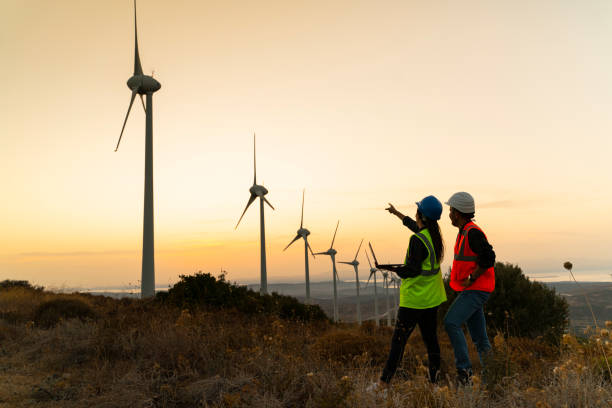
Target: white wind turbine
(332,253)
(259,191)
(141,84)
(355,264)
(385,275)
(303,233)
(397,284)
(373,273)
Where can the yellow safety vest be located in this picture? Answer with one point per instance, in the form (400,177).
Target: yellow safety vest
(427,289)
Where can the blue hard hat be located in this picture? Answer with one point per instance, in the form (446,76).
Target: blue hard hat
(430,207)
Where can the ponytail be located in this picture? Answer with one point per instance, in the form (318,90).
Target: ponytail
(436,236)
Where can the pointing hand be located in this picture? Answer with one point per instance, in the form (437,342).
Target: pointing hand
(391,209)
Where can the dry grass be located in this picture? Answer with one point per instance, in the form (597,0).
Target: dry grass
(141,354)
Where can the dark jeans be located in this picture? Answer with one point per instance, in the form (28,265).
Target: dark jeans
(468,308)
(407,319)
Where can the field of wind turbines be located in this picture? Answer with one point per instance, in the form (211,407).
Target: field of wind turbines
(141,84)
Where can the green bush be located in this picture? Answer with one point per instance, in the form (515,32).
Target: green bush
(204,290)
(520,307)
(51,312)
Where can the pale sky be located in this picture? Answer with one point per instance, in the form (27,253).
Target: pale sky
(359,102)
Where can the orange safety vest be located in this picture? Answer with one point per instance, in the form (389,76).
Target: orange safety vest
(465,263)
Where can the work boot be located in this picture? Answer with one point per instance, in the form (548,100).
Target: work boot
(464,377)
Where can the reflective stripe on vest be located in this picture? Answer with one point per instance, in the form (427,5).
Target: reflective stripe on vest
(434,267)
(460,255)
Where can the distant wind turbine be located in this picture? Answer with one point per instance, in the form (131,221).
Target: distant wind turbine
(355,265)
(386,286)
(397,283)
(141,84)
(332,253)
(259,191)
(303,233)
(373,273)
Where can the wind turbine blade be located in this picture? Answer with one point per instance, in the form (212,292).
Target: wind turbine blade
(251,199)
(370,277)
(143,104)
(294,239)
(320,253)
(358,248)
(367,256)
(137,66)
(254,162)
(134,92)
(333,239)
(302,220)
(348,263)
(267,202)
(311,251)
(373,254)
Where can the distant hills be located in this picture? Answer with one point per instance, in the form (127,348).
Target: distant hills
(599,295)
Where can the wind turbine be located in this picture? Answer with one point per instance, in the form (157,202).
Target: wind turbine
(397,282)
(332,253)
(355,264)
(141,84)
(259,191)
(373,273)
(303,233)
(385,275)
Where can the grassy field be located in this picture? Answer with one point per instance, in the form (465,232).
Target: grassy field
(134,353)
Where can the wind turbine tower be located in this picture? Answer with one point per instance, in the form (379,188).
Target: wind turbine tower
(355,264)
(303,233)
(141,84)
(332,254)
(373,273)
(386,286)
(259,191)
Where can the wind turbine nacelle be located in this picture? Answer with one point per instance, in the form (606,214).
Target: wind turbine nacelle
(258,190)
(145,84)
(303,232)
(332,251)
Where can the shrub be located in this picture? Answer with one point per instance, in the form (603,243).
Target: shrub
(526,308)
(520,307)
(49,313)
(12,284)
(204,290)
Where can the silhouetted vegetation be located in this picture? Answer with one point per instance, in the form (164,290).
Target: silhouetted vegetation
(204,290)
(11,284)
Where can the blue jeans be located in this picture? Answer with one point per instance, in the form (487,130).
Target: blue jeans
(467,308)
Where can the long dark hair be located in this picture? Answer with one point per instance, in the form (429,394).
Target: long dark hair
(436,236)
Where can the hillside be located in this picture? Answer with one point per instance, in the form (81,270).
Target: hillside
(109,352)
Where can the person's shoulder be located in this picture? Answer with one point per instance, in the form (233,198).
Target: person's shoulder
(474,231)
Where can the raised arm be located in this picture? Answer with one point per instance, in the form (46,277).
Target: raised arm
(406,220)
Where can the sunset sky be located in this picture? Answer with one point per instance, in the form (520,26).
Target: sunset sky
(361,103)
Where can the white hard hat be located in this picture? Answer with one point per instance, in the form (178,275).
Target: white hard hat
(462,202)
